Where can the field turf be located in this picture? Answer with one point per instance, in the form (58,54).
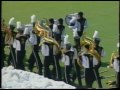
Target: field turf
(101,15)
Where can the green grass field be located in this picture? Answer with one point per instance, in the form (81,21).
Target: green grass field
(101,15)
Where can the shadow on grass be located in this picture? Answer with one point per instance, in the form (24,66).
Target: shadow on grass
(104,64)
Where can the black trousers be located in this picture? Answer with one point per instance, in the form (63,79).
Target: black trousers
(51,60)
(12,57)
(57,69)
(117,79)
(89,77)
(2,57)
(77,73)
(98,78)
(67,74)
(47,71)
(80,33)
(20,58)
(55,73)
(77,43)
(57,37)
(34,57)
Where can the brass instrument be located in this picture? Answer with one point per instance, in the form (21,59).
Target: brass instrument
(42,32)
(86,40)
(113,56)
(4,27)
(7,31)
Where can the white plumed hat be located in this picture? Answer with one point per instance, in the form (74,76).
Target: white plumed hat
(12,21)
(95,35)
(118,44)
(56,22)
(33,18)
(19,25)
(29,26)
(71,49)
(26,31)
(66,39)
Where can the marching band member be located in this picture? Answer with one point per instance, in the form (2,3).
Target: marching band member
(20,46)
(67,59)
(58,30)
(52,59)
(78,23)
(75,26)
(117,67)
(47,60)
(2,44)
(57,37)
(51,22)
(56,65)
(34,41)
(77,73)
(55,28)
(101,52)
(89,62)
(57,53)
(2,51)
(83,23)
(76,39)
(12,55)
(61,29)
(47,49)
(115,64)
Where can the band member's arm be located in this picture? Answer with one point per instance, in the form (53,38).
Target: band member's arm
(18,46)
(26,33)
(95,63)
(55,28)
(65,59)
(75,25)
(63,34)
(85,62)
(103,53)
(14,43)
(115,65)
(32,39)
(44,50)
(86,24)
(75,54)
